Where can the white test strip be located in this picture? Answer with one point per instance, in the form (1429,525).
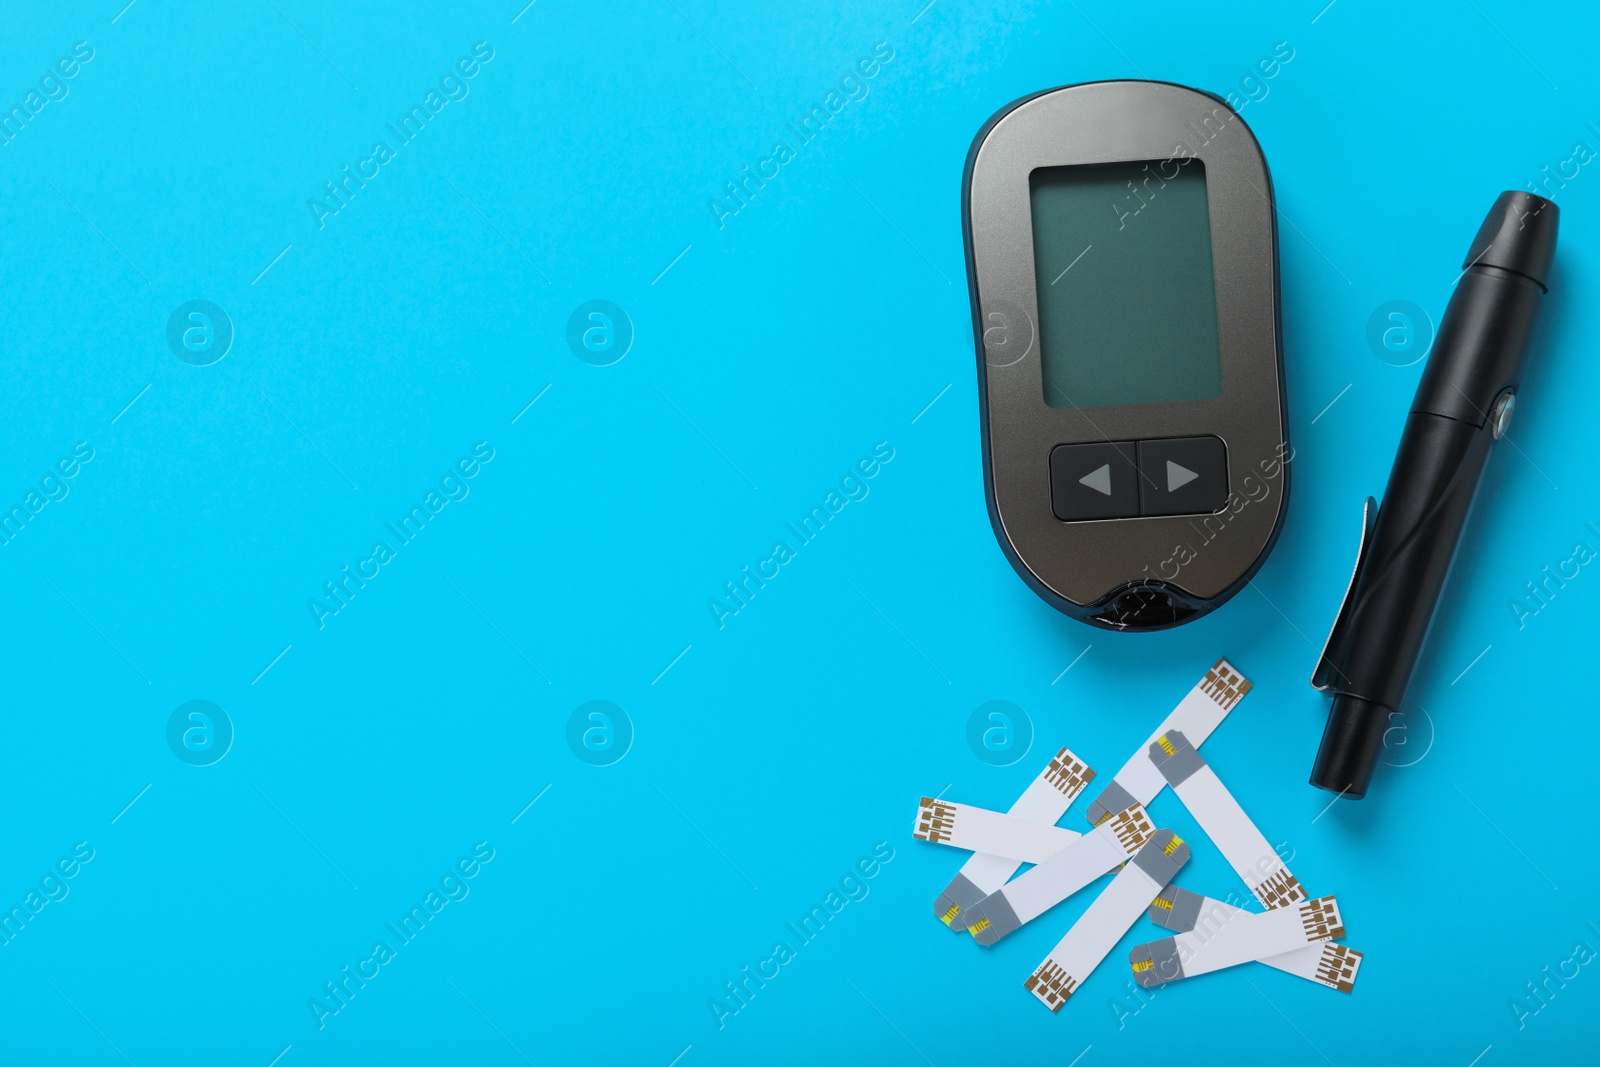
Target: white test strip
(1046,799)
(1243,938)
(1197,714)
(1059,876)
(1325,963)
(945,822)
(1224,821)
(1103,923)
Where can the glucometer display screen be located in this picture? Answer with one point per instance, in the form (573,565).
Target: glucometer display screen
(1127,299)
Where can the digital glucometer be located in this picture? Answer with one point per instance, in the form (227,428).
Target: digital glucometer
(1122,257)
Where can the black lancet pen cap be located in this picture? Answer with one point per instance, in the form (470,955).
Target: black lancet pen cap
(1463,406)
(1519,235)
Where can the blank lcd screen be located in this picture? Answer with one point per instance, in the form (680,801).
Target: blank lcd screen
(1127,300)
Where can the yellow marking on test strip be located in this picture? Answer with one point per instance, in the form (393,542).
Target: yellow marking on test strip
(951,914)
(982,925)
(1163,903)
(1143,965)
(1166,746)
(1171,847)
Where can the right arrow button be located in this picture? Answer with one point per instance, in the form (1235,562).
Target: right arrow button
(1182,476)
(1178,476)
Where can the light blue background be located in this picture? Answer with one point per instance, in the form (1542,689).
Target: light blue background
(776,752)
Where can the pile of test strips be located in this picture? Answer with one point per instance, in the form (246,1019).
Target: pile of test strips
(1294,934)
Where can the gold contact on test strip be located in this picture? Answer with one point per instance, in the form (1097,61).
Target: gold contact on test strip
(1337,968)
(936,820)
(1171,847)
(1067,774)
(979,927)
(1051,984)
(949,915)
(1281,889)
(1163,903)
(1224,686)
(1143,965)
(1320,919)
(1132,829)
(1166,746)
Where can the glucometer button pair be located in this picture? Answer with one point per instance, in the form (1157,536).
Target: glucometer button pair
(1126,479)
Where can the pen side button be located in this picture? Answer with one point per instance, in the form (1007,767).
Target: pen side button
(1500,414)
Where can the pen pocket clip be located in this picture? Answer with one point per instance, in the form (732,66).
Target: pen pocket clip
(1321,676)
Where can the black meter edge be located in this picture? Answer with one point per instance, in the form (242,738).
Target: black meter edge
(1145,603)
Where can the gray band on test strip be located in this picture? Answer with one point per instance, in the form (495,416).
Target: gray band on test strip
(1112,799)
(991,919)
(957,897)
(1155,860)
(1183,914)
(1178,765)
(1156,963)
